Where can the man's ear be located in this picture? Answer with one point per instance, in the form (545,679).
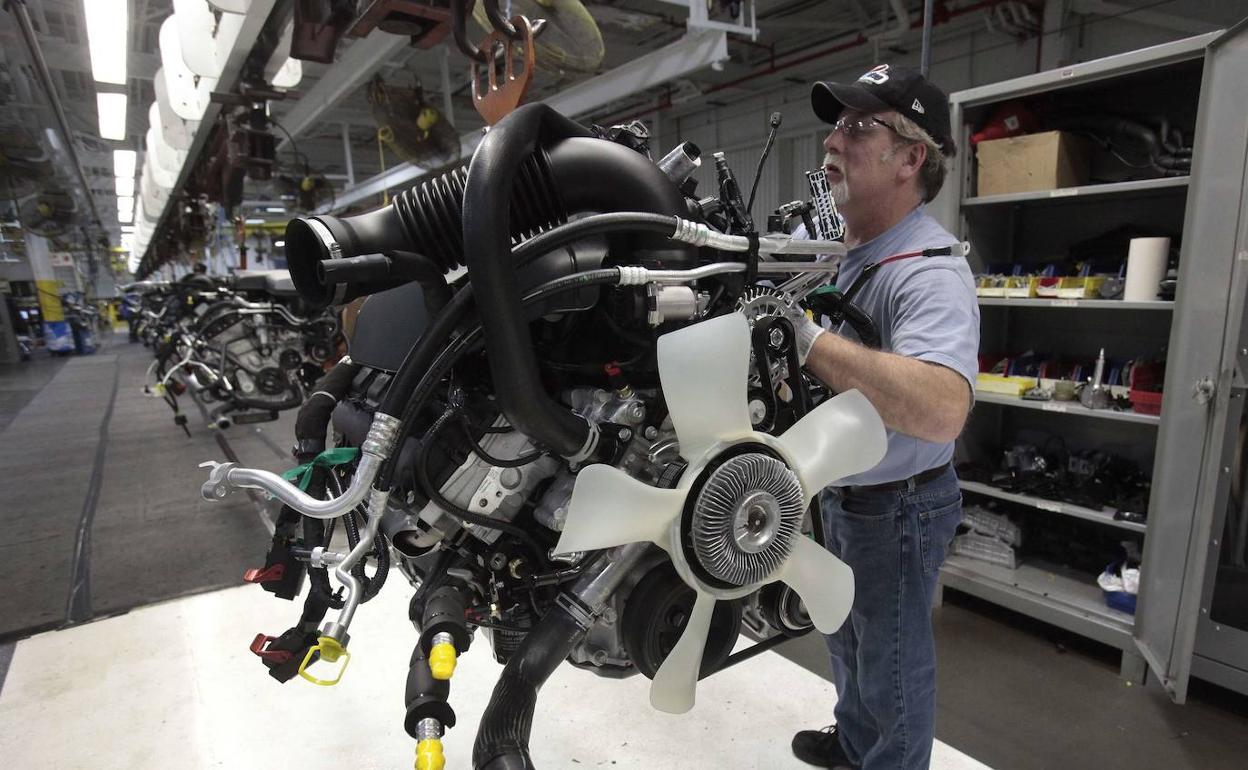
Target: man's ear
(912,158)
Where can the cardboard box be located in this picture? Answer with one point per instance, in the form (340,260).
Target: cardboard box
(1045,161)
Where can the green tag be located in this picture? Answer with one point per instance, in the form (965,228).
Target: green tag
(327,459)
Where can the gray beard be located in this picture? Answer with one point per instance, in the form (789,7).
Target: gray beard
(839,192)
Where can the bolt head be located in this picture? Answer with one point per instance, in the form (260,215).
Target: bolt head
(776,337)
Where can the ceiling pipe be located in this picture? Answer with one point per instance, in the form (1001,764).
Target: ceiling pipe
(801,58)
(18,7)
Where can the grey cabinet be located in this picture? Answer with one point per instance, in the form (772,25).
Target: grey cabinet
(1199,490)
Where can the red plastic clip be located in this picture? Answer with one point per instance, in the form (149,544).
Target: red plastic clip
(269,574)
(273,656)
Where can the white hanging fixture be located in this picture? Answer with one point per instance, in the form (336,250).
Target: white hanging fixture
(162,175)
(170,160)
(206,39)
(732,523)
(176,130)
(188,98)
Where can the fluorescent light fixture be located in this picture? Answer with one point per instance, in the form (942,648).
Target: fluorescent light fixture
(125,204)
(124,162)
(253,221)
(275,209)
(125,187)
(125,216)
(279,244)
(107,23)
(112,108)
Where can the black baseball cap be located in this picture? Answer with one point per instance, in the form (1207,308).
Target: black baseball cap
(886,87)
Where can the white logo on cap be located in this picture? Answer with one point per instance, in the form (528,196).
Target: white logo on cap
(918,107)
(877,76)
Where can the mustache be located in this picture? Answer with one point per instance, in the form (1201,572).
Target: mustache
(830,162)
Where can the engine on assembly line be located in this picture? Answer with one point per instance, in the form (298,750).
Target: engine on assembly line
(596,444)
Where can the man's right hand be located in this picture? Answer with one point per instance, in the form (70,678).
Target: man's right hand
(805,331)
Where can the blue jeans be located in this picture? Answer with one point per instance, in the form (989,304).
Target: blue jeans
(884,656)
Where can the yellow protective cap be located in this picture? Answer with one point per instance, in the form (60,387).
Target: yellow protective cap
(331,651)
(429,755)
(442,660)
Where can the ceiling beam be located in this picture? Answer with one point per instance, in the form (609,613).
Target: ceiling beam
(344,78)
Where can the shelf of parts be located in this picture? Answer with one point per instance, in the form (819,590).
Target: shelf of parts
(1063,194)
(1052,506)
(1067,407)
(1077,304)
(1044,591)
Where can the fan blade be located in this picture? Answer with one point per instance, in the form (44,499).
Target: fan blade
(610,508)
(842,436)
(703,369)
(825,583)
(675,683)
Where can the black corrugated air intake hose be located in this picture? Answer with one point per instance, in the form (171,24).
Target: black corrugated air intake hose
(503,738)
(334,260)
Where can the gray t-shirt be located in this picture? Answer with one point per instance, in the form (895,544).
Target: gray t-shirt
(925,308)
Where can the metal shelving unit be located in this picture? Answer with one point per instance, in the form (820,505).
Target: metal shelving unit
(1052,506)
(1074,304)
(1046,592)
(1067,407)
(1073,194)
(1182,81)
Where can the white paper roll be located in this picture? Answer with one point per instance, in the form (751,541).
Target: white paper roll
(1146,266)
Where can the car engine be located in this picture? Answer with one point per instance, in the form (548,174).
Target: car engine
(595,444)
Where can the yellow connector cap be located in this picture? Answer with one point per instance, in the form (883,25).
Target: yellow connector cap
(442,660)
(429,755)
(331,651)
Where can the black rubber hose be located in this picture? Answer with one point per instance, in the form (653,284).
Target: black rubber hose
(594,224)
(483,453)
(461,514)
(502,741)
(426,697)
(313,418)
(863,325)
(486,228)
(444,614)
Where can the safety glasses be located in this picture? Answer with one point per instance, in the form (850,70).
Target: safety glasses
(854,127)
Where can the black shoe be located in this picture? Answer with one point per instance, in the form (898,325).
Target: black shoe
(821,748)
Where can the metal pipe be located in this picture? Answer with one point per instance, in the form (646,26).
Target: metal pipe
(925,58)
(227,477)
(376,507)
(18,7)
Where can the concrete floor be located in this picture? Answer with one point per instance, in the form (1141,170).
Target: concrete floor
(171,679)
(173,685)
(1014,692)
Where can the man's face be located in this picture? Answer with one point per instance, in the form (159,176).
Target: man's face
(860,163)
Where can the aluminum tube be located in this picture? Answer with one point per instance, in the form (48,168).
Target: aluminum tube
(225,477)
(637,276)
(289,494)
(376,507)
(45,79)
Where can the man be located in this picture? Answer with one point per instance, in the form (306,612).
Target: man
(886,157)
